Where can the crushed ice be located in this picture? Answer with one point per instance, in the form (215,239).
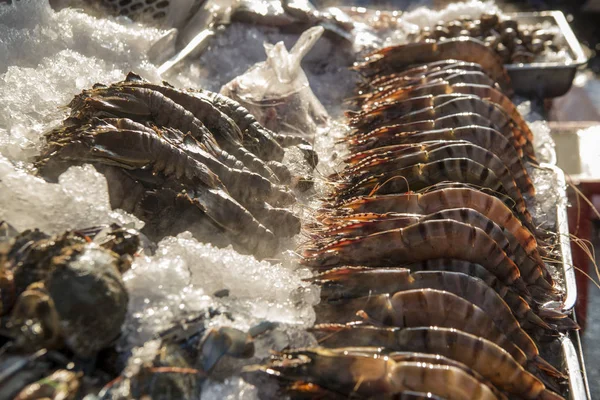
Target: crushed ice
(78,200)
(180,280)
(48,56)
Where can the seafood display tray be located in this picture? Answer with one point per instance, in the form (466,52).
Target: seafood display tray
(547,79)
(570,345)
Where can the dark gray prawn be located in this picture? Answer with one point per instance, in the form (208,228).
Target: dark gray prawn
(227,133)
(438,150)
(417,242)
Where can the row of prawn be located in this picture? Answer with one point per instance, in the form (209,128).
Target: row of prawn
(432,274)
(183,160)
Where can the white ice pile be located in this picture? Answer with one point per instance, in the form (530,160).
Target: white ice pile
(181,278)
(180,281)
(543,144)
(46,57)
(79,200)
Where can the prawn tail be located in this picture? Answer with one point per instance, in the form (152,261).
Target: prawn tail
(564,324)
(549,395)
(548,368)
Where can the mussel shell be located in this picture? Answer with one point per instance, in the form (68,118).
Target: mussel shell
(90,298)
(488,21)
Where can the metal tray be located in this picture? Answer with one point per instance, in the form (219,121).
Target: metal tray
(570,345)
(547,79)
(562,229)
(573,358)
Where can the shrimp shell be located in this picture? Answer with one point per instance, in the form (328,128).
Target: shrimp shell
(384,113)
(257,138)
(420,176)
(453,149)
(373,282)
(356,372)
(449,76)
(216,121)
(431,118)
(486,138)
(429,152)
(423,307)
(390,59)
(481,91)
(442,199)
(363,225)
(481,355)
(431,239)
(418,71)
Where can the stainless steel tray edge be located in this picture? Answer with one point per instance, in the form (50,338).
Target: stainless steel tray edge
(578,385)
(570,344)
(564,240)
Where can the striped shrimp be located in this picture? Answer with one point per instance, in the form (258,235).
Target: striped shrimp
(451,76)
(436,87)
(429,119)
(363,224)
(443,199)
(391,59)
(481,136)
(332,289)
(431,107)
(418,71)
(480,112)
(527,310)
(422,175)
(418,242)
(453,148)
(267,144)
(146,105)
(369,282)
(388,112)
(204,190)
(532,273)
(354,372)
(421,307)
(437,150)
(223,127)
(482,91)
(481,355)
(257,138)
(524,217)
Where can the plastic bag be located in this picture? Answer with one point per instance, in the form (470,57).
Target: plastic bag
(277,91)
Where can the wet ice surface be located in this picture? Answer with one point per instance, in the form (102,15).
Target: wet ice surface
(79,200)
(47,57)
(181,278)
(550,192)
